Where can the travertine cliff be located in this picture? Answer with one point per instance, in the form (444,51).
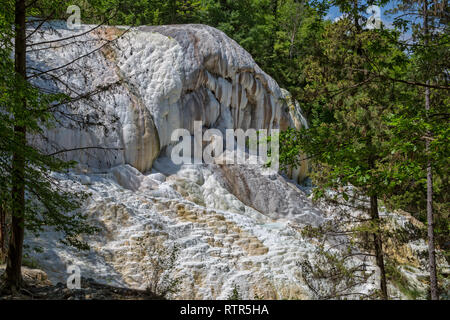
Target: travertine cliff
(231,226)
(153,80)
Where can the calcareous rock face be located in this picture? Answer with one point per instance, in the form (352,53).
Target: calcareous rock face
(201,230)
(220,242)
(149,81)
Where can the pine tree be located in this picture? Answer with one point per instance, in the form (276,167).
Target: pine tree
(421,142)
(363,88)
(30,195)
(348,135)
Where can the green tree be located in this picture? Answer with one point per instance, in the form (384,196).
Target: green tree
(348,136)
(28,190)
(363,89)
(421,134)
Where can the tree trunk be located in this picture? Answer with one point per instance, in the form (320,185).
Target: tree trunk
(378,246)
(430,220)
(274,7)
(2,233)
(173,11)
(14,259)
(356,16)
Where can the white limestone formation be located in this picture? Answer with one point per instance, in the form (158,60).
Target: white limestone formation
(233,226)
(153,80)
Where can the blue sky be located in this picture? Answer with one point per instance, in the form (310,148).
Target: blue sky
(387,19)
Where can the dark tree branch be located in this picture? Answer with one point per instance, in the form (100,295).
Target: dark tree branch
(82,148)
